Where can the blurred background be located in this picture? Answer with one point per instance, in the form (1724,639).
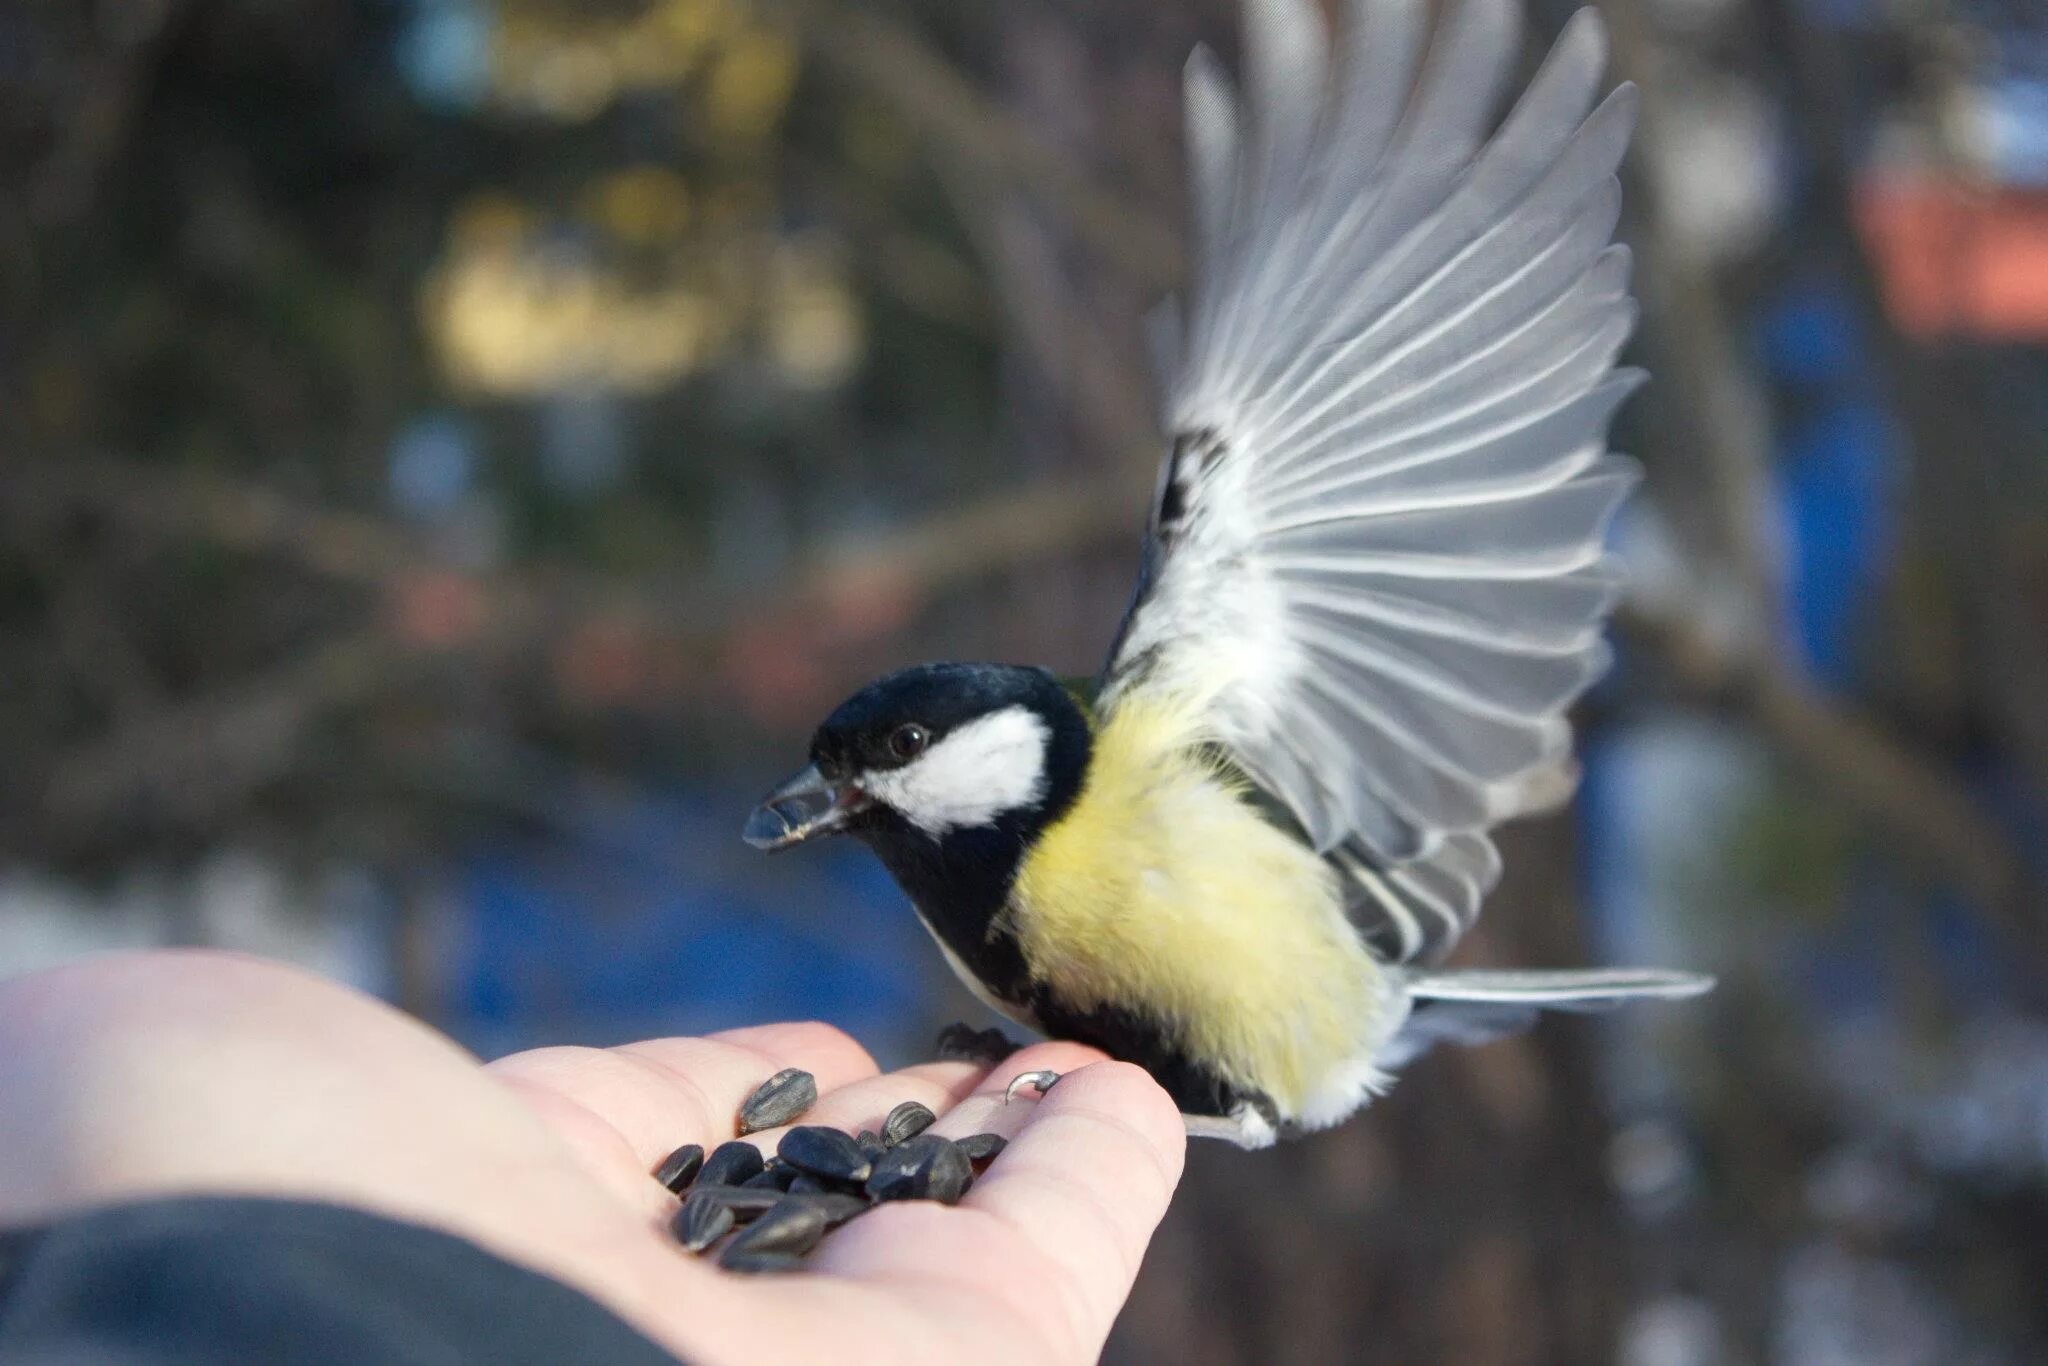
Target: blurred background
(451,452)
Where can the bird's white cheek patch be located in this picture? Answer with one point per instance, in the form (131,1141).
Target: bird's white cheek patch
(993,764)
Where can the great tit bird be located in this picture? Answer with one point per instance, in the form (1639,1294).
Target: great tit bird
(1373,583)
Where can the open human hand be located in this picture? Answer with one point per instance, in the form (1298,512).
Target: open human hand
(142,1075)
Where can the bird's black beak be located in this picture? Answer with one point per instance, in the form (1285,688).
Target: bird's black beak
(803,807)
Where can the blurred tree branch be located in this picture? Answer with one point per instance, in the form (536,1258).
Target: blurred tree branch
(62,187)
(1850,756)
(898,67)
(1950,414)
(1729,418)
(212,749)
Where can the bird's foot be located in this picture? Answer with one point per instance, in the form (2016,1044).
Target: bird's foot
(1040,1082)
(964,1043)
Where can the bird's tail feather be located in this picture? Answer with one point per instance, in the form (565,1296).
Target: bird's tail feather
(1473,1006)
(1567,989)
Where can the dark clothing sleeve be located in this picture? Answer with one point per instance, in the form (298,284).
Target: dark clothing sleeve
(181,1282)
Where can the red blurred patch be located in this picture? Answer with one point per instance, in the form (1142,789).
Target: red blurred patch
(604,664)
(437,608)
(1958,259)
(784,668)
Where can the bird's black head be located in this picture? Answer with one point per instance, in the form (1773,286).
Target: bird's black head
(933,755)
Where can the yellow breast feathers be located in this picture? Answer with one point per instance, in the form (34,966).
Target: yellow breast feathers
(1162,890)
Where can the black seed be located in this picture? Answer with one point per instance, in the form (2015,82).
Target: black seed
(759,1263)
(702,1221)
(982,1148)
(960,1043)
(680,1167)
(775,1177)
(927,1167)
(743,1202)
(779,1100)
(730,1164)
(792,1226)
(837,1208)
(951,1174)
(906,1121)
(871,1144)
(824,1152)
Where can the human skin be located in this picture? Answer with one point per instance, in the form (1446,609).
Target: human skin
(141,1075)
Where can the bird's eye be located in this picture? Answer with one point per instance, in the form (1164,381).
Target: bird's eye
(907,742)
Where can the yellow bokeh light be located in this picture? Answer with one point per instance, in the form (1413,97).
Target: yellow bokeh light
(751,83)
(641,206)
(510,322)
(491,219)
(571,65)
(813,322)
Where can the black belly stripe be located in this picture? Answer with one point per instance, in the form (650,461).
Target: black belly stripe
(1135,1039)
(961,886)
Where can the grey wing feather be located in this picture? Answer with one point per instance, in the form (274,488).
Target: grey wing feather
(1377,551)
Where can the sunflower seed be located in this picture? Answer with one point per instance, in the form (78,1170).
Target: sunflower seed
(743,1203)
(793,1226)
(982,1148)
(730,1164)
(927,1167)
(680,1167)
(962,1043)
(906,1121)
(824,1152)
(774,1177)
(871,1144)
(779,1100)
(702,1221)
(837,1208)
(806,1184)
(759,1263)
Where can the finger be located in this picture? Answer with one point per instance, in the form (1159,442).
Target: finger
(1087,1178)
(863,1104)
(1050,1237)
(990,1109)
(656,1095)
(967,1097)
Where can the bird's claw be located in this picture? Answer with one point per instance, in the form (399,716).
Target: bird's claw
(965,1043)
(1040,1082)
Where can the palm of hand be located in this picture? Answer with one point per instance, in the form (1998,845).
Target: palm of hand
(1031,1267)
(134,1076)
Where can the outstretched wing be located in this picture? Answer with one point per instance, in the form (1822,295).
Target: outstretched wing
(1376,551)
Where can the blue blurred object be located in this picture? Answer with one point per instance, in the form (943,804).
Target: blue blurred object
(2016,131)
(655,920)
(584,449)
(444,52)
(432,464)
(1839,460)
